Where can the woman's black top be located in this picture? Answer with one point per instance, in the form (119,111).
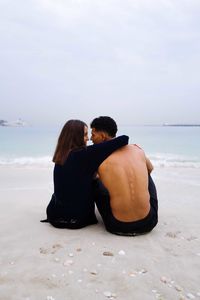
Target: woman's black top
(72,201)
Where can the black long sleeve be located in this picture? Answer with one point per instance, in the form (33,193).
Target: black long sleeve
(97,153)
(73,181)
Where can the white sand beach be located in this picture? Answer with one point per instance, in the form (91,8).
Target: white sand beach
(39,262)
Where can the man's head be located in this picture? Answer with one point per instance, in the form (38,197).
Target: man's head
(103,129)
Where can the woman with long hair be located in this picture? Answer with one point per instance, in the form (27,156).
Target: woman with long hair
(72,204)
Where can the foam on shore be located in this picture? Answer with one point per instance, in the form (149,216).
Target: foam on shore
(158,160)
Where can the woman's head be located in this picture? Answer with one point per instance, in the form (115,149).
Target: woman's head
(73,135)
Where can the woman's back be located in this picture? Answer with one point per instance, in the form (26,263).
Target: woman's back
(72,200)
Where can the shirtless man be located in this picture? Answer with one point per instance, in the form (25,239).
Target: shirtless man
(125,195)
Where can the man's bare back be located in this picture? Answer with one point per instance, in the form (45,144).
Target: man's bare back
(125,175)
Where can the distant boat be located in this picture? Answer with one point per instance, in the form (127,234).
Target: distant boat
(181,125)
(3,123)
(18,123)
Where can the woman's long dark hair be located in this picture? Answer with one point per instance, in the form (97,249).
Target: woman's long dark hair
(71,137)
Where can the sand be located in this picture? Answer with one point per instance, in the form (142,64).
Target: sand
(40,262)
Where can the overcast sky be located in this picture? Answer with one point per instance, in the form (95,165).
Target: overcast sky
(135,60)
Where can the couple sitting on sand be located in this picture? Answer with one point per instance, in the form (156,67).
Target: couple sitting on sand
(110,173)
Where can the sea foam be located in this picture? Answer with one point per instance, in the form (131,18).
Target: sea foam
(42,161)
(174,160)
(157,159)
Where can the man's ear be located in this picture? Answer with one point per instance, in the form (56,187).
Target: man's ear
(105,136)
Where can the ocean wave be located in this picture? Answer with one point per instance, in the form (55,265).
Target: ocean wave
(158,160)
(43,161)
(174,160)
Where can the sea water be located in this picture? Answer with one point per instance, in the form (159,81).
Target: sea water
(168,145)
(165,145)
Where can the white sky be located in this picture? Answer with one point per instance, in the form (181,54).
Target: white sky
(135,60)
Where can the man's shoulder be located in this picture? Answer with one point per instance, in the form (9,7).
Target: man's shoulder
(131,148)
(136,145)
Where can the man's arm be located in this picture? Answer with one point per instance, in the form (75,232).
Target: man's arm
(148,162)
(149,165)
(97,153)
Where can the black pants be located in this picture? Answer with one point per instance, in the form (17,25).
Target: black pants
(102,200)
(57,217)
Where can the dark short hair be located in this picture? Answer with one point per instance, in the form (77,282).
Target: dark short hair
(106,124)
(71,137)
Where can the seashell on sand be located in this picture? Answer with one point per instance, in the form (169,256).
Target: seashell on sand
(68,262)
(94,272)
(107,294)
(142,271)
(164,279)
(190,296)
(56,259)
(122,252)
(50,298)
(110,295)
(132,274)
(108,253)
(178,288)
